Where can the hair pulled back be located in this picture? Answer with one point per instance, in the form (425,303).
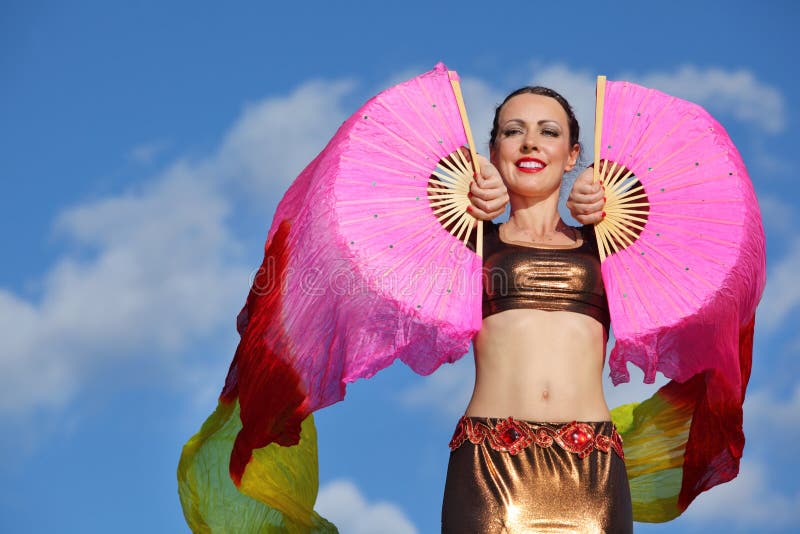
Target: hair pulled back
(572,122)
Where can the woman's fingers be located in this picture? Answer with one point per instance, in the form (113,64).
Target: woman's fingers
(488,194)
(488,182)
(587,209)
(486,210)
(488,173)
(487,204)
(589,213)
(582,200)
(587,199)
(485,215)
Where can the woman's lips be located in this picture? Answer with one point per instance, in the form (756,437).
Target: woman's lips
(530,165)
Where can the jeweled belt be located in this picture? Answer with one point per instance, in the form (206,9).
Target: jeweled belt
(512,435)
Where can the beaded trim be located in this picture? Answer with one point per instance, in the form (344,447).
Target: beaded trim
(512,436)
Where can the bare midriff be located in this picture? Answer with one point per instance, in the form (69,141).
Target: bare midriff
(543,366)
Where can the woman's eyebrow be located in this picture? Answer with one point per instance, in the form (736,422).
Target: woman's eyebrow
(545,121)
(538,123)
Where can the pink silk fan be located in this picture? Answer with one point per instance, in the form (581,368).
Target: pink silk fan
(366,262)
(684,267)
(360,268)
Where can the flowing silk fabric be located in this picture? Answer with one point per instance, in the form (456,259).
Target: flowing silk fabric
(357,272)
(682,297)
(278,489)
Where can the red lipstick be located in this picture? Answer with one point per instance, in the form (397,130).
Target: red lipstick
(530,165)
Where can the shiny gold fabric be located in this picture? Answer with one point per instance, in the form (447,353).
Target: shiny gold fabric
(552,279)
(540,489)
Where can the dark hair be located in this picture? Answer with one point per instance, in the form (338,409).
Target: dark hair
(572,122)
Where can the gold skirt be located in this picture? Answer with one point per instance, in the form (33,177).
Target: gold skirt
(511,476)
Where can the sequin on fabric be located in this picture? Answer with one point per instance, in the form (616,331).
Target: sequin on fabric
(521,477)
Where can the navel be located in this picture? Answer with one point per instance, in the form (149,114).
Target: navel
(545,395)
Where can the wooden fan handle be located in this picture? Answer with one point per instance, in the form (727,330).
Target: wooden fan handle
(462,109)
(598,124)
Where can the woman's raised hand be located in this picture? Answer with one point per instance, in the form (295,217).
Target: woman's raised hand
(587,199)
(488,193)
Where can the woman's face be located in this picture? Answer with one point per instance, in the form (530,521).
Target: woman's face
(532,150)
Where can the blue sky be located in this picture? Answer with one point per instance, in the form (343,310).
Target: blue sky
(144,149)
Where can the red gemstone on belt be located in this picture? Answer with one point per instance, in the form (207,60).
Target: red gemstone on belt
(580,437)
(510,436)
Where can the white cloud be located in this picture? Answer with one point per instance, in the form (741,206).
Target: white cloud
(447,391)
(748,502)
(148,273)
(275,138)
(146,153)
(153,269)
(782,294)
(737,93)
(765,414)
(344,505)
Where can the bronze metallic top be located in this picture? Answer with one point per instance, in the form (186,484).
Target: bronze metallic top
(552,279)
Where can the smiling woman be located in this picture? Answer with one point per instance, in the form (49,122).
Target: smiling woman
(536,449)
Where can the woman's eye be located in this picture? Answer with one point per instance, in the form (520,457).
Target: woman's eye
(550,132)
(512,131)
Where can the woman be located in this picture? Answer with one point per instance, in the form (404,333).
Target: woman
(519,461)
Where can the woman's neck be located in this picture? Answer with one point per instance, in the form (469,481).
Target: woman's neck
(536,217)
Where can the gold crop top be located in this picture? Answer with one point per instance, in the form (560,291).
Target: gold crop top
(557,279)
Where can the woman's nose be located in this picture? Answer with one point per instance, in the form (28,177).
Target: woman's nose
(528,144)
